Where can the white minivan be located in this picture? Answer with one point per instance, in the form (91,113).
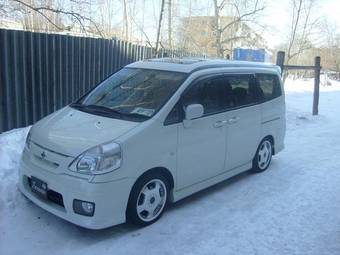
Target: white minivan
(154,132)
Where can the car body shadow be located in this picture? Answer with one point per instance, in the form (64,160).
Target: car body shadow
(93,236)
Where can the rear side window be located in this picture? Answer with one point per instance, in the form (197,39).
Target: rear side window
(219,94)
(270,87)
(243,89)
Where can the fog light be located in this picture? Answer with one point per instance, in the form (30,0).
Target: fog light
(83,207)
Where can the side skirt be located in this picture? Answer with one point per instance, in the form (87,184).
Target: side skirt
(180,194)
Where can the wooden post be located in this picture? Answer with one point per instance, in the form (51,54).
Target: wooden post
(280,60)
(316,86)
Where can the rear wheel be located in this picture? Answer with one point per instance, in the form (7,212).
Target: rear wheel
(263,156)
(148,199)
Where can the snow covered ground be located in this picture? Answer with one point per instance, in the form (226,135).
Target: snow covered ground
(292,208)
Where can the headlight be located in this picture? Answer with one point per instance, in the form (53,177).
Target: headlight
(101,159)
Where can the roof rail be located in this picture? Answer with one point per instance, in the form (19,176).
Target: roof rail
(199,68)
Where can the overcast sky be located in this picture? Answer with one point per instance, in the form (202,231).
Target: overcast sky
(277,15)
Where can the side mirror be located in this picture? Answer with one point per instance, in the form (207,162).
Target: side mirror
(193,111)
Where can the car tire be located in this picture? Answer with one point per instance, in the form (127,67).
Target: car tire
(263,156)
(148,200)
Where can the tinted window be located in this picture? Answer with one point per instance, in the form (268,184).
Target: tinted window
(269,85)
(243,89)
(222,93)
(207,92)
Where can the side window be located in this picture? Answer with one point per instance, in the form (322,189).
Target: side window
(243,89)
(269,85)
(222,93)
(208,93)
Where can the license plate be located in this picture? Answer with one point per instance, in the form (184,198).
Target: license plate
(39,187)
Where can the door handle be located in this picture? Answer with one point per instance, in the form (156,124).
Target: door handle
(220,123)
(233,120)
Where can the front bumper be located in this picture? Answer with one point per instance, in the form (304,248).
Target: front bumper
(110,198)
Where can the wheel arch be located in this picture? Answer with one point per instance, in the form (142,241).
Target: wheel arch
(163,171)
(158,170)
(271,138)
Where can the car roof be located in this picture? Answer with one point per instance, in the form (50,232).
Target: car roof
(190,65)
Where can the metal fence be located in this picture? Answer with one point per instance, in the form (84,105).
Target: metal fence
(40,73)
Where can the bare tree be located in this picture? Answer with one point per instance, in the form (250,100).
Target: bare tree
(53,14)
(218,29)
(240,12)
(331,50)
(159,27)
(301,29)
(125,21)
(141,29)
(170,23)
(295,22)
(106,14)
(143,21)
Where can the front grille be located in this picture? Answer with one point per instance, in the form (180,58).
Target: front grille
(46,159)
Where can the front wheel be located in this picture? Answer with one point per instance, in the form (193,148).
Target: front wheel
(148,200)
(263,156)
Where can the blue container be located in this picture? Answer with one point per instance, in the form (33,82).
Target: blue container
(256,55)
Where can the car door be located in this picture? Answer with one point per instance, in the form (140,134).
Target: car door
(202,143)
(244,121)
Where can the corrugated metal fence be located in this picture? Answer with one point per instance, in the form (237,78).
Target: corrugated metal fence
(40,73)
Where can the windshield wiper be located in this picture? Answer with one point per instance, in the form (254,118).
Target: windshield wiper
(101,109)
(96,109)
(135,115)
(76,105)
(107,111)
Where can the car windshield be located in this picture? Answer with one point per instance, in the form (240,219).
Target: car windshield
(131,93)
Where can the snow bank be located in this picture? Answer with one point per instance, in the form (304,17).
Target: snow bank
(11,146)
(307,85)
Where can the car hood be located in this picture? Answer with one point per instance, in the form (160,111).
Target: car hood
(71,132)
